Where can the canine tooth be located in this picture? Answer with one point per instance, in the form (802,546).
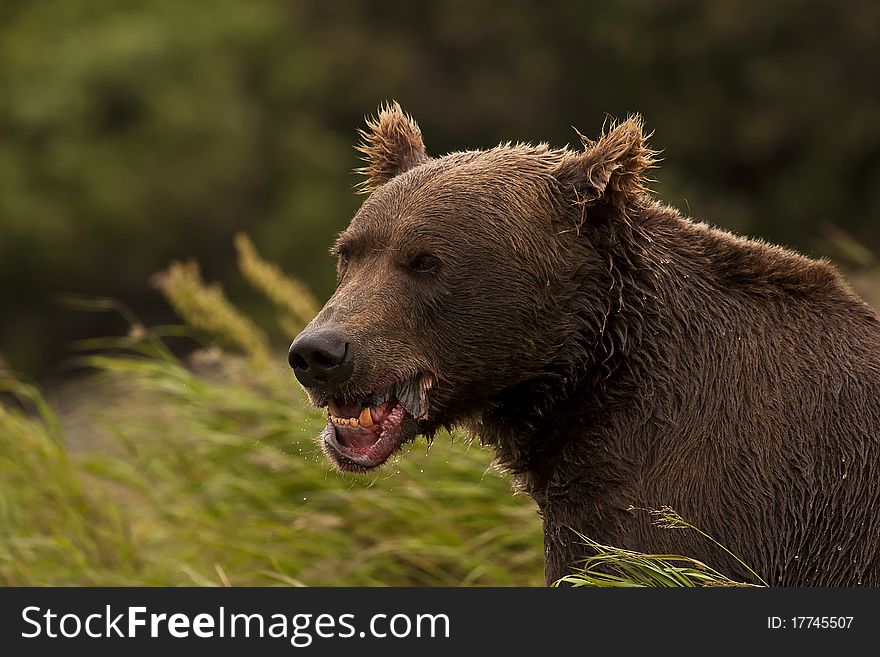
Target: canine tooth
(333,408)
(365,419)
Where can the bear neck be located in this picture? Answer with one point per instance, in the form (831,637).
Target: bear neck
(581,408)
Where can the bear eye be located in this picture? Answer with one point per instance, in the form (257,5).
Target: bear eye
(424,263)
(343,256)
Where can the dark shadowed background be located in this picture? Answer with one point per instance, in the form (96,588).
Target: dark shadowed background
(133,133)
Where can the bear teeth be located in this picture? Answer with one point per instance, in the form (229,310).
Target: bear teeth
(411,394)
(364,420)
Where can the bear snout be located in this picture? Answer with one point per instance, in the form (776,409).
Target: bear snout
(321,357)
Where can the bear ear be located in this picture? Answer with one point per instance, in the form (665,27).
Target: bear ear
(612,168)
(392,143)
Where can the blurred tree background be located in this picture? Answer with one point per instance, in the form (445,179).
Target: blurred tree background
(135,132)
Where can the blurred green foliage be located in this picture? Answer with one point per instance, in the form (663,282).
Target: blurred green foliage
(135,132)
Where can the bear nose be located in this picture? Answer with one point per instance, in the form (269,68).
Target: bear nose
(321,357)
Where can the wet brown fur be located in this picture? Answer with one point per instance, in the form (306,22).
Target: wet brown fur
(617,354)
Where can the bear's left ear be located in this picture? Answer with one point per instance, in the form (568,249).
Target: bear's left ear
(611,168)
(392,143)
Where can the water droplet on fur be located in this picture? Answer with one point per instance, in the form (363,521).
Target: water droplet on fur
(796,557)
(839,548)
(844,475)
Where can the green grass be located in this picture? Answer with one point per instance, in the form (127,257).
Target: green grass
(618,568)
(176,478)
(613,567)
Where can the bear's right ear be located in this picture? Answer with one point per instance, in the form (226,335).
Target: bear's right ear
(612,168)
(392,143)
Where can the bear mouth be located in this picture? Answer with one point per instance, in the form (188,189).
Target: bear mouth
(363,431)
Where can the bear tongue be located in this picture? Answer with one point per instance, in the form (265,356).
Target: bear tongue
(356,438)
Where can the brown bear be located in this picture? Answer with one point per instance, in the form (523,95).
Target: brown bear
(613,352)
